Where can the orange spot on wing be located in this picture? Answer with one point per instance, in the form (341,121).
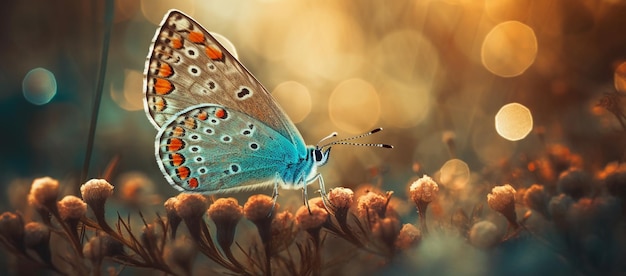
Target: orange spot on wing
(159,104)
(214,53)
(177,43)
(178,131)
(196,37)
(183,172)
(203,115)
(190,123)
(165,70)
(175,144)
(193,183)
(176,159)
(220,113)
(163,87)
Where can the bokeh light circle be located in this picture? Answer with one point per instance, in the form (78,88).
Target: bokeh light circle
(509,49)
(130,98)
(514,121)
(39,86)
(354,106)
(455,174)
(295,100)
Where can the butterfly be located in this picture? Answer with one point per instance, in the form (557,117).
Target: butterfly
(219,129)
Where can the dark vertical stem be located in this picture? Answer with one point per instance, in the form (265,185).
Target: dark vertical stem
(108,24)
(421,211)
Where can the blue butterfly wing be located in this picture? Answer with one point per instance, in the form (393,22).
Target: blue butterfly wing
(210,149)
(187,66)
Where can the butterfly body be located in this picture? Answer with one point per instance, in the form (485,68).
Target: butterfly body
(219,129)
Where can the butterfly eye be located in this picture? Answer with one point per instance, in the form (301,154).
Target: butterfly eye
(317,155)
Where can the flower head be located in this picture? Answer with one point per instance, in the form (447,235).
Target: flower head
(409,235)
(313,220)
(341,198)
(225,212)
(182,254)
(37,237)
(225,209)
(575,183)
(535,198)
(387,229)
(424,189)
(172,216)
(259,207)
(102,246)
(502,200)
(372,205)
(44,192)
(484,234)
(189,206)
(12,229)
(72,208)
(260,210)
(95,193)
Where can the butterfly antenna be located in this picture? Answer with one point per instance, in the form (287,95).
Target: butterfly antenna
(345,140)
(332,135)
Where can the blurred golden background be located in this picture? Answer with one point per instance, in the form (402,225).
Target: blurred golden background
(462,88)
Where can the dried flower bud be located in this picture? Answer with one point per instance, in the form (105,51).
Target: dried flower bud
(172,216)
(313,220)
(558,208)
(225,212)
(484,234)
(37,237)
(387,229)
(102,246)
(44,192)
(424,189)
(191,208)
(225,209)
(259,207)
(259,210)
(36,234)
(575,183)
(95,193)
(182,254)
(12,229)
(341,198)
(408,237)
(616,182)
(502,200)
(149,237)
(535,198)
(72,208)
(372,205)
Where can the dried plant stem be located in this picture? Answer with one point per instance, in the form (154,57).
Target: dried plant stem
(70,232)
(421,211)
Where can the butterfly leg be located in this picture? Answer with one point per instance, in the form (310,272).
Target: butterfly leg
(274,196)
(305,196)
(323,194)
